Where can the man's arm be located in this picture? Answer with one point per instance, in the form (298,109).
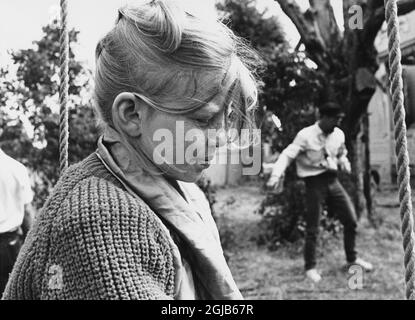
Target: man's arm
(288,155)
(27,197)
(343,161)
(285,159)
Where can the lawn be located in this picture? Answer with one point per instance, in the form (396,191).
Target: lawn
(264,274)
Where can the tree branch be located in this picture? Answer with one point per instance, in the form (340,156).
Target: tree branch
(306,28)
(293,11)
(326,25)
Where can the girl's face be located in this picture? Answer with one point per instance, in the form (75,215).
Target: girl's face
(183,146)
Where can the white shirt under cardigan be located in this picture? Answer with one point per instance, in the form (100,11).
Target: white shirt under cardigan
(315,152)
(15,192)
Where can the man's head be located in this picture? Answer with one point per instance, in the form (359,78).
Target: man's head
(331,115)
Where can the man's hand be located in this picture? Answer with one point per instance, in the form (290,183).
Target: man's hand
(275,182)
(345,166)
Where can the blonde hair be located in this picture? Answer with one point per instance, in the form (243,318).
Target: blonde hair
(165,54)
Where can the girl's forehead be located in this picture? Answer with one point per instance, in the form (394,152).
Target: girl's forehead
(206,91)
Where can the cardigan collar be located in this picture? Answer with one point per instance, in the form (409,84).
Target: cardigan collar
(189,218)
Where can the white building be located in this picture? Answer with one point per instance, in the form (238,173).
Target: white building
(380,109)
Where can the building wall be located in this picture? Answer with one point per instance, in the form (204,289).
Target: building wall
(380,135)
(406,31)
(382,145)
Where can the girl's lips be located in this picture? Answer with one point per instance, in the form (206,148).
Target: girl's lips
(207,159)
(210,158)
(206,162)
(203,164)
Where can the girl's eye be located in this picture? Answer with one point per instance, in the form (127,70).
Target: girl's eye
(203,122)
(206,122)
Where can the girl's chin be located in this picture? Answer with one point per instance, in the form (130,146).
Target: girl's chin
(190,176)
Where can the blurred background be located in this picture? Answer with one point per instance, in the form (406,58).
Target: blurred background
(311,51)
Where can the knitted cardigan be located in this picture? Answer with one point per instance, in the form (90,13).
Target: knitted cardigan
(93,240)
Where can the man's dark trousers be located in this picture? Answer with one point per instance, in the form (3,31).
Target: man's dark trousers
(326,188)
(10,244)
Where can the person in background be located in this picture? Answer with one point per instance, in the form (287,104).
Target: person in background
(320,152)
(15,212)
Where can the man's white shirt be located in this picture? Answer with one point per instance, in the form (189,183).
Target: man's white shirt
(315,152)
(15,192)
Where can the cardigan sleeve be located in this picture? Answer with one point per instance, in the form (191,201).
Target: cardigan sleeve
(106,244)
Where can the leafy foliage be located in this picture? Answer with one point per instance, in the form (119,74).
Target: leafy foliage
(29,101)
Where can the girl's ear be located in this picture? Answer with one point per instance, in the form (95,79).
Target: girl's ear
(126,114)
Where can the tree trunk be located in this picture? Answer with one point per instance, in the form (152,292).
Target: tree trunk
(356,149)
(367,179)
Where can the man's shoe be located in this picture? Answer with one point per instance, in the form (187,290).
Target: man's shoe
(366,266)
(313,275)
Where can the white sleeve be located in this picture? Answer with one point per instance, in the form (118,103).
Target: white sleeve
(342,155)
(25,186)
(281,165)
(289,154)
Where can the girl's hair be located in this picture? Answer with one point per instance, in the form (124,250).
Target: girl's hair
(165,54)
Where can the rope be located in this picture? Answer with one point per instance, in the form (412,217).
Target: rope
(63,89)
(401,146)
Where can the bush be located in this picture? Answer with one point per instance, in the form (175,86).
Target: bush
(283,214)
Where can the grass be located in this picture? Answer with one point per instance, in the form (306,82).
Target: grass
(264,274)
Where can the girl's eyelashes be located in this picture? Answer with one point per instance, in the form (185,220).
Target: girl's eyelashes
(204,122)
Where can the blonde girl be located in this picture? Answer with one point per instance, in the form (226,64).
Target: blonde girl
(122,224)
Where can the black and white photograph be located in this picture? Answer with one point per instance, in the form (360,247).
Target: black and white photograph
(221,150)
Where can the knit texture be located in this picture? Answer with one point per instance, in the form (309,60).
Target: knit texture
(93,240)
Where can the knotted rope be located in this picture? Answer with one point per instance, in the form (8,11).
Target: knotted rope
(401,145)
(63,88)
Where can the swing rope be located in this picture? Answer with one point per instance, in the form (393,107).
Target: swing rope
(63,89)
(405,200)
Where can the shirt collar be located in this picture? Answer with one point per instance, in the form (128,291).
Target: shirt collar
(320,132)
(318,129)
